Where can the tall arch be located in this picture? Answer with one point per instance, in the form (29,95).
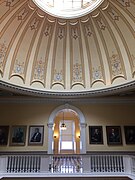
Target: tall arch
(82,127)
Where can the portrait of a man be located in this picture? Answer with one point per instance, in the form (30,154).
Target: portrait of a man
(36,135)
(129,134)
(18,134)
(114,135)
(4,130)
(95,134)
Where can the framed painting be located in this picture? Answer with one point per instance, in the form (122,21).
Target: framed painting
(4,131)
(18,135)
(129,134)
(114,135)
(36,135)
(95,135)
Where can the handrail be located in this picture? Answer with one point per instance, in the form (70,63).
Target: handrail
(67,165)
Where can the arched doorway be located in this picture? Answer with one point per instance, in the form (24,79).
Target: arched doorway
(66,133)
(71,122)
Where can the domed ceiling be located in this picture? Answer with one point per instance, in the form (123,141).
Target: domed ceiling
(42,53)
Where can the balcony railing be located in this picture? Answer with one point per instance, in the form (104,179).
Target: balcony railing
(67,165)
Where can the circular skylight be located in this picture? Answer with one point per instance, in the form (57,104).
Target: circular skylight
(67,8)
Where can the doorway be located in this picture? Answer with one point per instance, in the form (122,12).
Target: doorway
(66,133)
(57,140)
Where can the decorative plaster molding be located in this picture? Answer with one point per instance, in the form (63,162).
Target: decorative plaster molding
(69,96)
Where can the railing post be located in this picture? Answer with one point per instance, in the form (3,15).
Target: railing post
(133,166)
(3,164)
(86,163)
(45,164)
(127,164)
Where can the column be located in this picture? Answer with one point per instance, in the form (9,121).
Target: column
(50,138)
(83,138)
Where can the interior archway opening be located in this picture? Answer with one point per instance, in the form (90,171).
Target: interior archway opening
(66,132)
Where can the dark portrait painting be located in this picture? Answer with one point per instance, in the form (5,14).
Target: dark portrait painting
(36,135)
(95,135)
(129,134)
(114,135)
(18,135)
(4,130)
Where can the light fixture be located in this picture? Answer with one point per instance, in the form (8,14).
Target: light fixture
(55,136)
(63,125)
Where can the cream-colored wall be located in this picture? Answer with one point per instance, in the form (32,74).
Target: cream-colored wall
(109,115)
(95,114)
(29,115)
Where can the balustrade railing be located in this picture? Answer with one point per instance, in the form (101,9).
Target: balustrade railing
(84,165)
(106,163)
(28,164)
(66,164)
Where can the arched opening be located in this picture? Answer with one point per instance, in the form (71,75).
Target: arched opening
(71,140)
(66,133)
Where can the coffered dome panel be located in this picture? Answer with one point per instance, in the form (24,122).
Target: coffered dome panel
(89,53)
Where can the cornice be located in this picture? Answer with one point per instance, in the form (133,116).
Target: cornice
(33,100)
(69,96)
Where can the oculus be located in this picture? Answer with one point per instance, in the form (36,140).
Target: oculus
(68,8)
